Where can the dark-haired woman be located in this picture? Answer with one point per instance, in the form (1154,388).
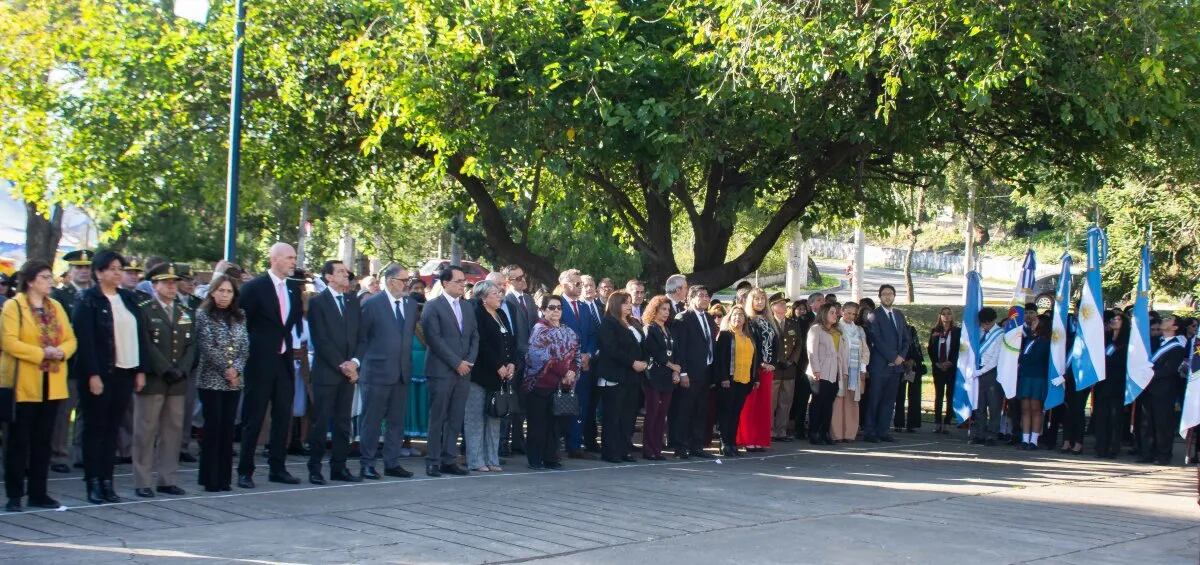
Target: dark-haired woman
(1109,403)
(222,347)
(943,355)
(36,343)
(107,369)
(618,368)
(661,377)
(1032,384)
(551,364)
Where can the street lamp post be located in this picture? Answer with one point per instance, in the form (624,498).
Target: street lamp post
(235,137)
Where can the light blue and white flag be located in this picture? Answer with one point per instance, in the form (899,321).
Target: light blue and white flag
(1088,360)
(1014,327)
(1191,397)
(1138,366)
(966,384)
(1058,337)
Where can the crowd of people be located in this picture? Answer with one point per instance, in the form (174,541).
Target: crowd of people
(122,362)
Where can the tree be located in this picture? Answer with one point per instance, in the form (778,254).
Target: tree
(702,109)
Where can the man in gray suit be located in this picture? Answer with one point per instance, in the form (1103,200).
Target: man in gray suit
(453,342)
(519,308)
(888,338)
(389,320)
(333,321)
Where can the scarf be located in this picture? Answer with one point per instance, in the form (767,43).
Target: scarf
(49,331)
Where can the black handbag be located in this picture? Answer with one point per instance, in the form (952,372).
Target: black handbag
(565,403)
(500,403)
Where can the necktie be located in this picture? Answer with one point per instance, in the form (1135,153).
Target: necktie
(400,315)
(281,295)
(341,302)
(575,310)
(457,313)
(170,313)
(892,319)
(707,336)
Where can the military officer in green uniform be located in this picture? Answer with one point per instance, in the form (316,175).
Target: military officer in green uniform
(66,447)
(187,295)
(784,386)
(168,342)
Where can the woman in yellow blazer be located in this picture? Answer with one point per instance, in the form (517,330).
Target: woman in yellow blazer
(36,340)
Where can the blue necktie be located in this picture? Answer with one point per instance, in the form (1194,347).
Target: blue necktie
(399,316)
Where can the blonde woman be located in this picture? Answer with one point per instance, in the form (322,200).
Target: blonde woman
(853,382)
(828,364)
(754,427)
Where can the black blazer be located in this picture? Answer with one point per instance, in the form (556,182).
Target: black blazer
(618,350)
(92,321)
(659,346)
(266,330)
(723,359)
(497,348)
(334,335)
(932,350)
(692,349)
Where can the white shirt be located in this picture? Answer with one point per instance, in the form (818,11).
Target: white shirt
(125,335)
(637,336)
(990,355)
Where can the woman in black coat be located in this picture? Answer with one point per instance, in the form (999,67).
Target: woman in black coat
(494,368)
(1108,405)
(734,381)
(107,369)
(618,368)
(661,377)
(943,356)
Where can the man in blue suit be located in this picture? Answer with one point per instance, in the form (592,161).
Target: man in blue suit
(889,340)
(576,316)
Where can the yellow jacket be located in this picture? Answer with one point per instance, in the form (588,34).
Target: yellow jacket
(19,341)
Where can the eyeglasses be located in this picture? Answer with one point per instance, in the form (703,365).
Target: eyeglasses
(519,278)
(553,308)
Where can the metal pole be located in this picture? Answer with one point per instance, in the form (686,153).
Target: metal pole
(235,137)
(969,265)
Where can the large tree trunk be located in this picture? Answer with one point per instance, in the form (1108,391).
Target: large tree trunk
(41,233)
(914,230)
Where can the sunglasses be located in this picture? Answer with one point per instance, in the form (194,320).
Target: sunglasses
(554,308)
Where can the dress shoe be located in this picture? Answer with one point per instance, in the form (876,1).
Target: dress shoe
(245,481)
(1145,459)
(580,454)
(701,454)
(316,479)
(537,467)
(44,502)
(629,459)
(554,465)
(829,440)
(185,457)
(397,471)
(888,438)
(110,495)
(614,460)
(172,490)
(989,442)
(95,494)
(283,477)
(785,439)
(681,454)
(1163,461)
(369,472)
(344,476)
(14,505)
(433,471)
(871,439)
(144,492)
(454,469)
(299,450)
(60,468)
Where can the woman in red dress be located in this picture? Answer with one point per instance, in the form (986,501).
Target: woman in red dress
(754,426)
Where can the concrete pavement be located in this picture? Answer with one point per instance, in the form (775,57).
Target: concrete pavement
(925,499)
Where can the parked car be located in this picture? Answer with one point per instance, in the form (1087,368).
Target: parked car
(475,271)
(1046,287)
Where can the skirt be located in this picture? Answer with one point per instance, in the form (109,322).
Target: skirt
(416,417)
(1032,387)
(754,424)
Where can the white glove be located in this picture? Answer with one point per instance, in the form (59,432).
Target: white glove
(1058,381)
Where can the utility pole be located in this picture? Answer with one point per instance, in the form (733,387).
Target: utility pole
(860,257)
(235,136)
(969,263)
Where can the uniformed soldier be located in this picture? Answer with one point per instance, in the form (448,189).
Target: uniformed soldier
(187,295)
(168,341)
(784,384)
(66,447)
(132,276)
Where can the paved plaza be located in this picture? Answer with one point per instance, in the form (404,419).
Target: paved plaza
(925,499)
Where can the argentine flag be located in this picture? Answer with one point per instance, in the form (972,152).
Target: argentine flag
(1191,398)
(1058,336)
(1014,328)
(1088,359)
(966,385)
(1138,367)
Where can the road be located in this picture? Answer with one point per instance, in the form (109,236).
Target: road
(929,290)
(927,499)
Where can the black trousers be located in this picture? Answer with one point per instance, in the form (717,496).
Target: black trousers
(27,448)
(1073,421)
(820,414)
(102,417)
(274,391)
(541,439)
(331,405)
(1107,415)
(908,417)
(216,448)
(690,418)
(943,397)
(620,411)
(800,402)
(1156,419)
(729,410)
(591,434)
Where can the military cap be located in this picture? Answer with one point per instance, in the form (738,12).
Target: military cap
(777,297)
(300,275)
(184,271)
(134,266)
(79,257)
(163,272)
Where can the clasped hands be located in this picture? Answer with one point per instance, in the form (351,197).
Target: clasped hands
(350,370)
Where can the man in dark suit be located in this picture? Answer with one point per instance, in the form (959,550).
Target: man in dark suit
(333,320)
(604,289)
(591,300)
(575,316)
(637,291)
(453,341)
(676,288)
(523,314)
(389,320)
(273,310)
(889,340)
(695,336)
